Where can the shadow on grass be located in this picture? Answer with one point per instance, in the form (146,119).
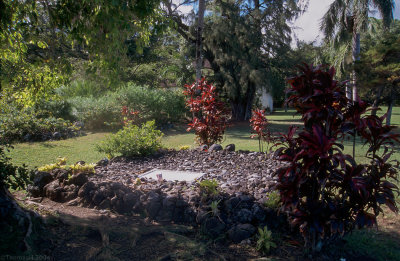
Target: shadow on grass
(49,145)
(367,244)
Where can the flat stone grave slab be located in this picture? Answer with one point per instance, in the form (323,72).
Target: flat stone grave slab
(172,175)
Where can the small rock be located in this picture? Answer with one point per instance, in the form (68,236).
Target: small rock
(203,148)
(103,162)
(230,147)
(56,135)
(73,202)
(215,147)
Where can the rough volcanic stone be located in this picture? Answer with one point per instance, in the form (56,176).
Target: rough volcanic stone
(61,174)
(215,147)
(105,204)
(258,213)
(244,216)
(230,147)
(168,207)
(98,197)
(213,227)
(34,191)
(85,189)
(153,204)
(41,179)
(241,232)
(78,179)
(53,191)
(130,200)
(103,162)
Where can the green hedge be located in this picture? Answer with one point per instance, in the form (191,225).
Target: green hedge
(162,106)
(21,124)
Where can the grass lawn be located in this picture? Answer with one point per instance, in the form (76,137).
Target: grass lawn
(83,148)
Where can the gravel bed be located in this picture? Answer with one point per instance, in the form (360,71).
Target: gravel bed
(241,171)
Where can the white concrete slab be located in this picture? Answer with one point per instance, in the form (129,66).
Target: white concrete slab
(172,175)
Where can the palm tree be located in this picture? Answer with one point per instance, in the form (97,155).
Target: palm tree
(199,38)
(346,18)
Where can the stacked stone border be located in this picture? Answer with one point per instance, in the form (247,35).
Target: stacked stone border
(234,215)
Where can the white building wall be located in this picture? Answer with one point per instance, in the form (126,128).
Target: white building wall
(266,99)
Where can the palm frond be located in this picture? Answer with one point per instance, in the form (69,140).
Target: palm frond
(385,8)
(332,17)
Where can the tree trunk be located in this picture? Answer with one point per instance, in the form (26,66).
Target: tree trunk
(376,101)
(241,107)
(391,102)
(199,39)
(348,92)
(356,57)
(15,223)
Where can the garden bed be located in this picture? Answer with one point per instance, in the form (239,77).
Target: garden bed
(234,205)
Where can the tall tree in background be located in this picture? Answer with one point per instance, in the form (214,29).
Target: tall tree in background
(199,38)
(346,18)
(379,68)
(245,43)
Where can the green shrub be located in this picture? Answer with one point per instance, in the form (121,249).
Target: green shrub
(209,187)
(19,124)
(12,176)
(163,106)
(54,108)
(97,113)
(273,199)
(82,88)
(132,141)
(264,242)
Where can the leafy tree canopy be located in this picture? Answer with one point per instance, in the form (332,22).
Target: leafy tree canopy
(41,40)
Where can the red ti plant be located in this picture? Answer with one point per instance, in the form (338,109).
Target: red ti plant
(259,124)
(325,192)
(210,116)
(129,116)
